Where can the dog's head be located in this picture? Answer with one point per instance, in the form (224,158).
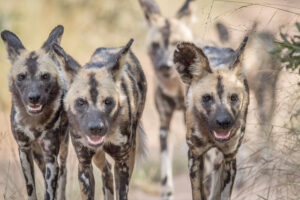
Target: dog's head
(218,97)
(164,34)
(93,99)
(34,78)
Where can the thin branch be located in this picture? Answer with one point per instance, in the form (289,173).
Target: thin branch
(259,4)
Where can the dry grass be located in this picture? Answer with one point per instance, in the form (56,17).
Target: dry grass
(266,173)
(269,161)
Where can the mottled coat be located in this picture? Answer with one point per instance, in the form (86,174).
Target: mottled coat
(217,100)
(38,121)
(104,102)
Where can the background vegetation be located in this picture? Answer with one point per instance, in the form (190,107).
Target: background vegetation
(289,50)
(274,174)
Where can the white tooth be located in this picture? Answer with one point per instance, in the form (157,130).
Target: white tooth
(34,109)
(95,142)
(222,136)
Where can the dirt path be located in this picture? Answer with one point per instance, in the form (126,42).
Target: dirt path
(182,190)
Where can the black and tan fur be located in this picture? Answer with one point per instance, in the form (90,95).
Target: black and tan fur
(217,100)
(163,35)
(38,121)
(104,103)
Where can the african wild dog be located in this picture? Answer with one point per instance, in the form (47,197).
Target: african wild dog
(217,100)
(104,103)
(163,35)
(38,121)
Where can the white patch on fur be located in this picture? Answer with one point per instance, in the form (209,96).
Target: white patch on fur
(190,163)
(99,141)
(166,169)
(163,133)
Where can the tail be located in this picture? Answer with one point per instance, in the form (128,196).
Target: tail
(141,143)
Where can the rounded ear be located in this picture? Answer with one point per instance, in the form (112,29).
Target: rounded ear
(54,37)
(186,12)
(151,11)
(120,60)
(190,62)
(70,66)
(237,65)
(13,45)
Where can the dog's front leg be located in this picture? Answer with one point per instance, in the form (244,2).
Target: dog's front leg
(107,176)
(196,169)
(216,180)
(122,179)
(165,108)
(62,176)
(62,159)
(28,170)
(50,148)
(86,180)
(51,176)
(228,176)
(123,171)
(85,170)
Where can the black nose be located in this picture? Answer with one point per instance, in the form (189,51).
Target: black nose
(224,121)
(164,67)
(34,97)
(96,128)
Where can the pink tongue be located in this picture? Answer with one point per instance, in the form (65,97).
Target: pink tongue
(222,134)
(34,106)
(95,138)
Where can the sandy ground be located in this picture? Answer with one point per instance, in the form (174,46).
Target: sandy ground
(12,184)
(182,190)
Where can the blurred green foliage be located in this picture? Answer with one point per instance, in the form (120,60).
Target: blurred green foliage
(289,50)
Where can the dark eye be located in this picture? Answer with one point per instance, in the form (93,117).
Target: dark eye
(21,77)
(108,101)
(155,45)
(45,76)
(207,98)
(81,102)
(234,98)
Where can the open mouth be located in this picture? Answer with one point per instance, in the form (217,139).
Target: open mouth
(95,140)
(36,108)
(222,135)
